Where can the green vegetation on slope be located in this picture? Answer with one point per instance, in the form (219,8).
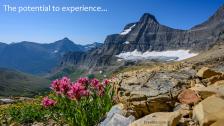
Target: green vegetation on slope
(71,72)
(14,83)
(74,73)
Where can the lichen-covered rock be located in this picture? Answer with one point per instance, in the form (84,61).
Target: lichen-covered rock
(188,96)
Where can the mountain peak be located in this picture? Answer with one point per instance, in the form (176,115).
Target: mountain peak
(66,39)
(147,17)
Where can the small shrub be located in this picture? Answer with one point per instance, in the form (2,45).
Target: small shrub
(91,76)
(27,113)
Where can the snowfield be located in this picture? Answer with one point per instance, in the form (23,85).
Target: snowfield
(177,55)
(127,42)
(126,31)
(55,51)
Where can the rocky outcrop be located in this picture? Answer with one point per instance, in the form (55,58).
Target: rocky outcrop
(207,73)
(215,79)
(73,57)
(209,110)
(116,117)
(145,92)
(154,94)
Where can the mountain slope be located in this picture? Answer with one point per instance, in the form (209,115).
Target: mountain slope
(149,35)
(63,46)
(36,58)
(14,83)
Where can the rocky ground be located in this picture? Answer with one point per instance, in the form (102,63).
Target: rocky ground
(186,93)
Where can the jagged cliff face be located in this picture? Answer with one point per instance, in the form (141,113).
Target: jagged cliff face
(149,35)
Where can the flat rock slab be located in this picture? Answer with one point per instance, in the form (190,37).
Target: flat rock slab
(158,119)
(146,92)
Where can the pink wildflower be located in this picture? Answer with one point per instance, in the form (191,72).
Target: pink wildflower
(83,81)
(61,86)
(84,93)
(77,91)
(101,89)
(65,84)
(106,82)
(46,102)
(94,83)
(55,85)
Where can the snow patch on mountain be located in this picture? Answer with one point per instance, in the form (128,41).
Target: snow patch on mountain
(126,31)
(55,51)
(127,42)
(177,55)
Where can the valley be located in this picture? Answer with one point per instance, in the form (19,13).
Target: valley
(15,83)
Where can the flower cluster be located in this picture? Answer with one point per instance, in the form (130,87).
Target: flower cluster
(97,86)
(83,87)
(77,91)
(61,86)
(46,102)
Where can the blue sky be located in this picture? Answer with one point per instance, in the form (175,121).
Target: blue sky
(88,27)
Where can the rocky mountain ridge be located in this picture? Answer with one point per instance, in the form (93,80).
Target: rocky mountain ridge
(149,35)
(38,58)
